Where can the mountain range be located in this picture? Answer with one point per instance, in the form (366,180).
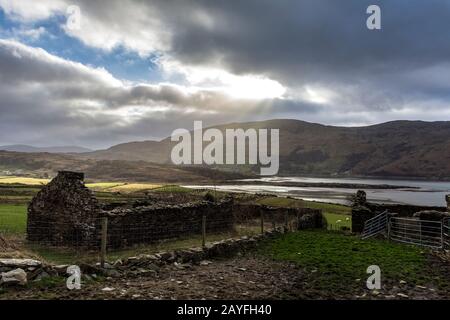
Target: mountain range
(394,149)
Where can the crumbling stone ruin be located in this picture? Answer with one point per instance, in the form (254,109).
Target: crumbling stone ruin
(65,211)
(362,210)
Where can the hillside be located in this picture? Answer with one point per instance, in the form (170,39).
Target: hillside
(398,148)
(47,165)
(26,148)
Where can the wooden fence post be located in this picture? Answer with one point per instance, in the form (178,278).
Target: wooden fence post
(104,241)
(274,223)
(204,231)
(286,221)
(262,221)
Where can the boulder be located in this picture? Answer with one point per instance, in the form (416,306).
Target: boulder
(16,276)
(20,263)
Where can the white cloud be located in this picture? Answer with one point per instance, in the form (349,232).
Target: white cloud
(30,34)
(32,10)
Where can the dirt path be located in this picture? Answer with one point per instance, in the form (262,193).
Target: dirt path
(237,278)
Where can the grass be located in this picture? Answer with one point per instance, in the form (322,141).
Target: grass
(331,212)
(332,219)
(173,189)
(122,187)
(23,180)
(102,186)
(341,260)
(97,186)
(13,218)
(71,255)
(134,187)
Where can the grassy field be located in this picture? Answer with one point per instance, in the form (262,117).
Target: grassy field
(332,212)
(97,186)
(16,193)
(13,218)
(341,261)
(22,180)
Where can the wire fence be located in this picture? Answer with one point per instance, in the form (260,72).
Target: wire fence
(116,236)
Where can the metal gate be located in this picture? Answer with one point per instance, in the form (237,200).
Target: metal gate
(375,225)
(419,232)
(446,232)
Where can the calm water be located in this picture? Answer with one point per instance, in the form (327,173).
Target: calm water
(430,193)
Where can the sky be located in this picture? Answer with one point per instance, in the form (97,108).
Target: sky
(137,70)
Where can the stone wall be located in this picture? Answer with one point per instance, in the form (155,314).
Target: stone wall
(66,213)
(362,211)
(147,224)
(303,217)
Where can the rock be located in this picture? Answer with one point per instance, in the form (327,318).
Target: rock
(112,273)
(20,263)
(421,287)
(108,289)
(402,282)
(61,269)
(166,256)
(402,295)
(205,262)
(375,292)
(17,276)
(145,272)
(41,276)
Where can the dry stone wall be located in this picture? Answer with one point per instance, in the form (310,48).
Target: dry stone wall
(153,223)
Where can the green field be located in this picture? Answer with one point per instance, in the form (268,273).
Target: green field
(13,218)
(341,261)
(332,212)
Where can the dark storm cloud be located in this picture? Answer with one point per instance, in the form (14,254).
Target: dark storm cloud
(334,69)
(284,37)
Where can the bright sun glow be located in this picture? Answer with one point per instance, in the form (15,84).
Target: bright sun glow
(237,86)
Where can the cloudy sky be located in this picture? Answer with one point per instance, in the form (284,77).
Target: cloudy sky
(136,70)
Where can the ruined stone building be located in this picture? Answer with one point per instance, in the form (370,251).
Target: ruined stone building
(65,211)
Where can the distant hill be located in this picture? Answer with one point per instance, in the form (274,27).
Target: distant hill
(393,149)
(48,164)
(26,148)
